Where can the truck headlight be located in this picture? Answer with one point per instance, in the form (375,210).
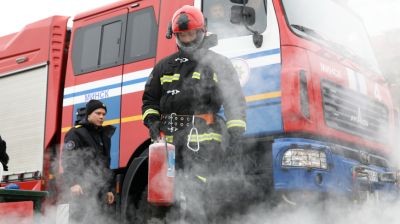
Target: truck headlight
(309,158)
(398,178)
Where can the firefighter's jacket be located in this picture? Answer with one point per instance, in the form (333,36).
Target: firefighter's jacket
(198,83)
(86,158)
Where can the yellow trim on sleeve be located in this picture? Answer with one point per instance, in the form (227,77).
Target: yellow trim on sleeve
(215,77)
(236,123)
(201,178)
(169,138)
(150,111)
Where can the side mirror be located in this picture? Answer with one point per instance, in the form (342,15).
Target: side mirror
(240,1)
(210,40)
(243,14)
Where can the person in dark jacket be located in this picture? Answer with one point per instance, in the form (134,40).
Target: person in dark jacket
(184,93)
(86,160)
(3,157)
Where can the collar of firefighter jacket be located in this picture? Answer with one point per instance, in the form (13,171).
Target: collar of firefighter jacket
(92,127)
(197,55)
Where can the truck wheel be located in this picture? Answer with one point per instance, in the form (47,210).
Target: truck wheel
(143,212)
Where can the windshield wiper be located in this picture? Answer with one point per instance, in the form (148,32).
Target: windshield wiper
(308,31)
(342,49)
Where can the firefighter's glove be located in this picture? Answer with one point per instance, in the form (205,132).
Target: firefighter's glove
(153,123)
(235,137)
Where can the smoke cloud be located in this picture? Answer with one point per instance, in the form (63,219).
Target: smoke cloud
(241,190)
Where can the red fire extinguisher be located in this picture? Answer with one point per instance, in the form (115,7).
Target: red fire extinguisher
(161,173)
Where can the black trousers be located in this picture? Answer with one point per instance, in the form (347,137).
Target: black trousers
(91,208)
(205,179)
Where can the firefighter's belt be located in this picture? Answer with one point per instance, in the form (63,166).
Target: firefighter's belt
(174,122)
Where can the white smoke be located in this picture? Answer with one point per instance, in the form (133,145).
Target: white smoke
(384,30)
(262,213)
(368,213)
(386,14)
(372,211)
(91,207)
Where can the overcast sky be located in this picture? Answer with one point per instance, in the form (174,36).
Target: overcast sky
(378,15)
(15,14)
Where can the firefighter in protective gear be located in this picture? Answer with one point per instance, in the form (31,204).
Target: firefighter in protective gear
(185,91)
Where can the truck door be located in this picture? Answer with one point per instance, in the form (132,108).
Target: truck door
(258,67)
(139,59)
(94,69)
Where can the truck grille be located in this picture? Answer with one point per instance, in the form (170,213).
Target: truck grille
(353,112)
(360,156)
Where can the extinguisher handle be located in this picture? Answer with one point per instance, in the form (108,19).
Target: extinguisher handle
(161,138)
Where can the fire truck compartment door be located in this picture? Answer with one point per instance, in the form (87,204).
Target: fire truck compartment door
(22,117)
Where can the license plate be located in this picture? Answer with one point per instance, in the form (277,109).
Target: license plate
(372,175)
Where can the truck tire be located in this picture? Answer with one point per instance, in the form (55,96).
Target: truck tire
(134,205)
(144,212)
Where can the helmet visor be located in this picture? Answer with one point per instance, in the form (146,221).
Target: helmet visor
(190,40)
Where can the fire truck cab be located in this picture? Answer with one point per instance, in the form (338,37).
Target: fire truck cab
(319,117)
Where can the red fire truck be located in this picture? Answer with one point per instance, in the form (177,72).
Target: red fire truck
(320,118)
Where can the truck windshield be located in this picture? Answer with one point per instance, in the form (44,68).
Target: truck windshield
(334,25)
(218,15)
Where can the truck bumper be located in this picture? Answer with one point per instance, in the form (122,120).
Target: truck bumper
(341,177)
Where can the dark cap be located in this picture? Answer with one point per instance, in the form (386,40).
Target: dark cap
(93,105)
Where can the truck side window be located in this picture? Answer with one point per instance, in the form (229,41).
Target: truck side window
(141,35)
(218,15)
(98,46)
(110,50)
